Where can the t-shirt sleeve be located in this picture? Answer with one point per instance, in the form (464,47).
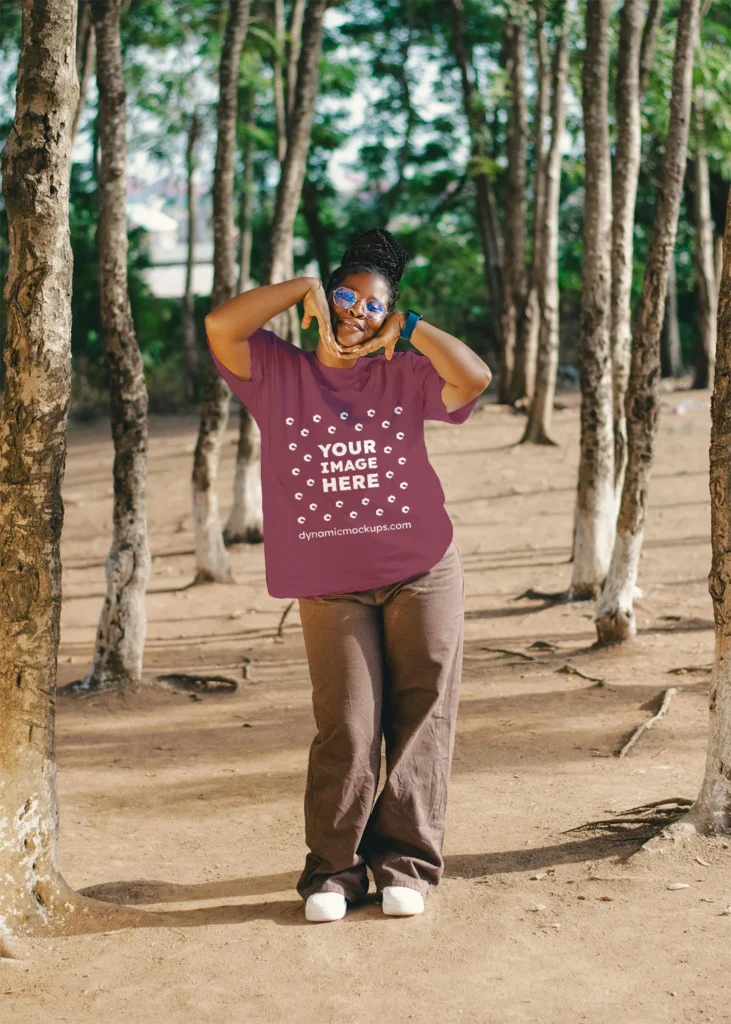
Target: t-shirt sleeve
(262,350)
(431,384)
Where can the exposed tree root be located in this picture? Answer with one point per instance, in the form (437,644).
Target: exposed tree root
(638,824)
(63,911)
(660,713)
(556,596)
(504,650)
(13,949)
(199,683)
(280,627)
(569,670)
(685,669)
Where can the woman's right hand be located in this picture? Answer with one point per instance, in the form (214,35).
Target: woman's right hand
(316,305)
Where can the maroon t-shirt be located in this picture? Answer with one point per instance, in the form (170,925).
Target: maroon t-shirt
(350,499)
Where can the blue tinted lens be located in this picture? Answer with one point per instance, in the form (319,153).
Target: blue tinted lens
(374,310)
(344,297)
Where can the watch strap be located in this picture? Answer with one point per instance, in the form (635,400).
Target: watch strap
(412,319)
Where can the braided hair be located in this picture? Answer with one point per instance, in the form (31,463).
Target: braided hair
(377,252)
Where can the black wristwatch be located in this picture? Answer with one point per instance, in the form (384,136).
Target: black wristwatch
(410,323)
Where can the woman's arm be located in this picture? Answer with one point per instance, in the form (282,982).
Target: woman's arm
(229,325)
(466,375)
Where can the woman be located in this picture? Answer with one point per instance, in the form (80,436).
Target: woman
(355,528)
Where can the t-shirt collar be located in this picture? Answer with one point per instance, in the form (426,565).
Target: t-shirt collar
(337,378)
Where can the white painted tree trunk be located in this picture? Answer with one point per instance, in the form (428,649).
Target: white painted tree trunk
(212,561)
(246,521)
(615,620)
(705,273)
(595,506)
(34,898)
(538,429)
(624,197)
(711,812)
(122,627)
(293,133)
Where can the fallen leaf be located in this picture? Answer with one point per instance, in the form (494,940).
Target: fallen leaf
(703,862)
(678,885)
(539,907)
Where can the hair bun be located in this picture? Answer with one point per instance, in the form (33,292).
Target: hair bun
(379,248)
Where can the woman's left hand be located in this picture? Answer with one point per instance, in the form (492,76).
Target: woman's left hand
(385,338)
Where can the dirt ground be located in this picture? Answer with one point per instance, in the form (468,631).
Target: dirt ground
(193,807)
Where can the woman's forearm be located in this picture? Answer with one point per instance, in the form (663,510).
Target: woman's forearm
(452,359)
(240,316)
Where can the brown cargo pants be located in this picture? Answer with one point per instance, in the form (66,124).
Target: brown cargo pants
(384,663)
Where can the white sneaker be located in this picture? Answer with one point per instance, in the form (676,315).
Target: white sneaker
(401,901)
(325,906)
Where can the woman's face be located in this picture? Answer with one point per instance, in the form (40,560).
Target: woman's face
(352,326)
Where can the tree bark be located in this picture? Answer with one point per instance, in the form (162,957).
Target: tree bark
(529,324)
(649,39)
(711,812)
(85,55)
(245,522)
(246,202)
(538,430)
(278,259)
(488,222)
(293,48)
(36,161)
(670,362)
(705,271)
(278,83)
(595,506)
(513,383)
(212,562)
(122,628)
(624,198)
(615,620)
(190,342)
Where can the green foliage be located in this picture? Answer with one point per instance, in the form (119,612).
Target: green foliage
(389,76)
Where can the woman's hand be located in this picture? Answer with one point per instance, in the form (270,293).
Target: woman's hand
(316,305)
(385,338)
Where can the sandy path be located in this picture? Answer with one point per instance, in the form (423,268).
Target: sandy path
(193,807)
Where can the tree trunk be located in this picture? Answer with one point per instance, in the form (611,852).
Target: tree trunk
(530,323)
(513,384)
(212,562)
(538,430)
(705,273)
(624,198)
(36,161)
(595,506)
(670,362)
(245,521)
(122,628)
(488,223)
(85,54)
(615,618)
(278,261)
(649,38)
(293,48)
(190,342)
(711,812)
(246,202)
(278,83)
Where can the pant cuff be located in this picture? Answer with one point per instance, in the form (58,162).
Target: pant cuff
(408,883)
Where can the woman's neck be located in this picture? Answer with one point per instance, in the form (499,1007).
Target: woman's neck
(323,356)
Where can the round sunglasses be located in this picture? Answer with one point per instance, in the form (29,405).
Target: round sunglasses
(346,297)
